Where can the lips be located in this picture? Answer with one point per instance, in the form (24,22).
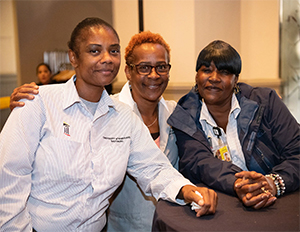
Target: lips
(105,71)
(152,86)
(213,88)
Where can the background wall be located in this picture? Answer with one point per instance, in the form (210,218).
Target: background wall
(47,26)
(8,54)
(28,28)
(251,26)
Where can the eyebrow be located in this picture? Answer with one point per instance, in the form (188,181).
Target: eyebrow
(115,45)
(149,62)
(100,45)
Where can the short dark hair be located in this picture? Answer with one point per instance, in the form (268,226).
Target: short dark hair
(224,56)
(43,64)
(84,24)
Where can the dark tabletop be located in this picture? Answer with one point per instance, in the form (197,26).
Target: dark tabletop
(231,215)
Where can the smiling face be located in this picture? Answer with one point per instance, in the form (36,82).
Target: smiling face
(215,86)
(98,60)
(43,74)
(148,87)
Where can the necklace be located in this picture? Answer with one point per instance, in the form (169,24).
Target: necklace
(152,123)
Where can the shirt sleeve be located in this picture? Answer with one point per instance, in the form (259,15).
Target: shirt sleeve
(19,140)
(151,168)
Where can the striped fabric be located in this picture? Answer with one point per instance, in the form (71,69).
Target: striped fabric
(60,164)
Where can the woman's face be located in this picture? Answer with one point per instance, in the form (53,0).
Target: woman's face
(148,87)
(98,60)
(44,75)
(215,86)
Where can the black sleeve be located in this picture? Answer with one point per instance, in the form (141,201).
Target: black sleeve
(198,164)
(286,137)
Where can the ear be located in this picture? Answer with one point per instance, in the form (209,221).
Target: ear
(127,72)
(196,76)
(73,58)
(236,79)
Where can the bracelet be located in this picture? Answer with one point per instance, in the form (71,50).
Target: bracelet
(279,183)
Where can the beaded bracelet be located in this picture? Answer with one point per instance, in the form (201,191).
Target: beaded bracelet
(279,183)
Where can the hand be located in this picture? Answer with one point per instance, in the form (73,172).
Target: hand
(254,189)
(208,203)
(22,92)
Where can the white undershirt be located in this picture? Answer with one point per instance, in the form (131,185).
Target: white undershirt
(231,137)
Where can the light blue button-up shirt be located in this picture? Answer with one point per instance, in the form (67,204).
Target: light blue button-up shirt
(231,137)
(60,164)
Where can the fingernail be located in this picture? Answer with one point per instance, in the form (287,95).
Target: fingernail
(201,202)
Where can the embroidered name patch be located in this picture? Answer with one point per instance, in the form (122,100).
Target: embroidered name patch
(116,139)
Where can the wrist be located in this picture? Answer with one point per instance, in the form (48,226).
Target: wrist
(278,182)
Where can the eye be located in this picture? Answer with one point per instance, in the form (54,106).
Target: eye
(115,51)
(162,67)
(206,70)
(144,67)
(93,51)
(225,72)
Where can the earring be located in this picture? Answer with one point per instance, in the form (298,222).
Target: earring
(236,89)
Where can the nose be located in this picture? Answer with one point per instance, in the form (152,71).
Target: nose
(214,77)
(153,73)
(106,57)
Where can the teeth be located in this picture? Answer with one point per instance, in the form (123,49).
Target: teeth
(152,86)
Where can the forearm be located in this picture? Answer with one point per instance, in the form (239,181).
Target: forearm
(198,164)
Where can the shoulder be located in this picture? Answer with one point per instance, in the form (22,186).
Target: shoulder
(51,88)
(171,105)
(258,94)
(119,106)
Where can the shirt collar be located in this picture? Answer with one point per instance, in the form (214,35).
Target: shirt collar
(235,106)
(126,97)
(206,116)
(70,95)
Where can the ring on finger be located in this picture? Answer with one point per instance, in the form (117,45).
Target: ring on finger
(264,190)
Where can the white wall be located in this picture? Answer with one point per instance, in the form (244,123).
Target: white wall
(260,39)
(125,22)
(8,54)
(8,61)
(251,26)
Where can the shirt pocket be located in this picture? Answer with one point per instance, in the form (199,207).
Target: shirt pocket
(63,161)
(110,163)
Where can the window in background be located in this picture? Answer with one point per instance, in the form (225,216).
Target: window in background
(290,54)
